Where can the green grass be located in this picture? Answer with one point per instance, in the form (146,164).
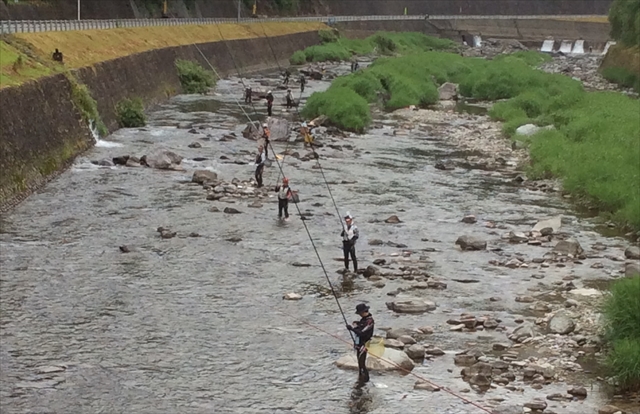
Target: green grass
(335,48)
(82,99)
(622,314)
(622,76)
(594,149)
(342,106)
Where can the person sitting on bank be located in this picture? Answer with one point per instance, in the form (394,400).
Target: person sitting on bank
(57,56)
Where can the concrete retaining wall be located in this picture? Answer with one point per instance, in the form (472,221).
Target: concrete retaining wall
(41,131)
(529,30)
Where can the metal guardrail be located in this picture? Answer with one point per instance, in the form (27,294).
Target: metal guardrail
(29,26)
(26,26)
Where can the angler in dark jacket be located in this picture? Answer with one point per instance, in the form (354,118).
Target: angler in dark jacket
(363,330)
(269,103)
(284,193)
(260,160)
(349,235)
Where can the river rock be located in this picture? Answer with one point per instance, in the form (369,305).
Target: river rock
(448,91)
(610,409)
(518,237)
(421,385)
(395,333)
(291,296)
(195,145)
(445,166)
(204,176)
(392,360)
(393,343)
(523,332)
(632,269)
(528,130)
(411,306)
(568,247)
(415,352)
(464,360)
(537,404)
(161,159)
(471,243)
(102,163)
(553,223)
(508,409)
(376,242)
(231,210)
(580,392)
(561,323)
(470,219)
(407,339)
(370,271)
(120,160)
(393,220)
(632,252)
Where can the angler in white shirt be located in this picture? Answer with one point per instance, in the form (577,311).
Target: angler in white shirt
(349,235)
(284,193)
(260,160)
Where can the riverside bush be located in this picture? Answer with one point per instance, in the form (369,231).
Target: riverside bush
(130,113)
(622,315)
(342,106)
(622,76)
(193,77)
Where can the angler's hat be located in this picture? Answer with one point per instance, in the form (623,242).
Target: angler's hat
(362,308)
(268,92)
(348,216)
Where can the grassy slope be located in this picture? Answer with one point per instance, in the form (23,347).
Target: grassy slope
(87,47)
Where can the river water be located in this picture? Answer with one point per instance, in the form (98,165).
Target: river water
(198,324)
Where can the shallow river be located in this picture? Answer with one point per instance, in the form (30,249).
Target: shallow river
(198,324)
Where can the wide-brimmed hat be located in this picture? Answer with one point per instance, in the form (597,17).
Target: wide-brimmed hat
(362,308)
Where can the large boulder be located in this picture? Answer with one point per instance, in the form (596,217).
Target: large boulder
(528,130)
(395,333)
(471,243)
(411,306)
(570,246)
(552,223)
(632,252)
(415,351)
(391,360)
(204,176)
(162,159)
(632,269)
(448,91)
(279,129)
(561,323)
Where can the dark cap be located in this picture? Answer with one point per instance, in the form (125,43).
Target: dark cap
(362,308)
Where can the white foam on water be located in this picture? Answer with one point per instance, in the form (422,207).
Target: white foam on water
(547,46)
(565,46)
(477,41)
(607,46)
(578,47)
(102,143)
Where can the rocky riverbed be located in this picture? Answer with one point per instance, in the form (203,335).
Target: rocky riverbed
(173,288)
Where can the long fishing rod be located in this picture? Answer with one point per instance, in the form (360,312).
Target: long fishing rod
(317,157)
(333,291)
(275,57)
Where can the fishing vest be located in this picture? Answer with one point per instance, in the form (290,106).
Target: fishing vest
(284,192)
(349,233)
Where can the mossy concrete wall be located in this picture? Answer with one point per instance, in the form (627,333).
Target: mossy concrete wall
(41,130)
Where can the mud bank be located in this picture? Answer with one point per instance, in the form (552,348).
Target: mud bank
(40,123)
